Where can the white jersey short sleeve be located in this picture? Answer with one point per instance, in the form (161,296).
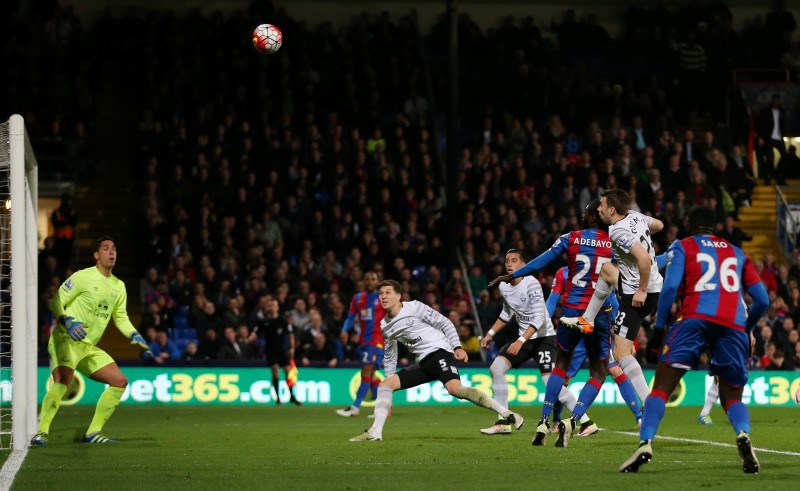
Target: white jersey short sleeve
(525,301)
(419,327)
(631,230)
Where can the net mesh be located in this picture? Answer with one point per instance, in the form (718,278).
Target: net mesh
(5,296)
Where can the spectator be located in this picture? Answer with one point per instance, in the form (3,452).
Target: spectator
(320,350)
(162,347)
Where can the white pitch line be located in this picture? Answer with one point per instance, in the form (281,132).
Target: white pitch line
(11,467)
(705,442)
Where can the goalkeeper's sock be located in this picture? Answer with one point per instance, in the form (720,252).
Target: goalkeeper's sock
(383,404)
(362,391)
(50,404)
(601,292)
(106,405)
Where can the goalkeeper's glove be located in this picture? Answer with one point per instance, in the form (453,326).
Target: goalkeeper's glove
(139,341)
(75,328)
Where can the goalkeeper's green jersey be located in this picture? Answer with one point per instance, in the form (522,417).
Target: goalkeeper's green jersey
(93,299)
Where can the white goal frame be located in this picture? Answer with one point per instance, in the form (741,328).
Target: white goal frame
(24,184)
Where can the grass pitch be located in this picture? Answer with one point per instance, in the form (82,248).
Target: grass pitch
(286,448)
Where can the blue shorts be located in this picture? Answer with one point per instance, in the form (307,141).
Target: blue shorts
(687,339)
(370,355)
(596,344)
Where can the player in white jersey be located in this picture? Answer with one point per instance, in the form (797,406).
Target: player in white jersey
(523,300)
(433,340)
(636,276)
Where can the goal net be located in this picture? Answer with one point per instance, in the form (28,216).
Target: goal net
(18,285)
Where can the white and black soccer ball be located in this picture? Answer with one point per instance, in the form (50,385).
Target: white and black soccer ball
(267,39)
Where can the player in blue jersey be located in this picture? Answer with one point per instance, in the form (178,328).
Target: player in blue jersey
(367,307)
(587,250)
(579,356)
(713,316)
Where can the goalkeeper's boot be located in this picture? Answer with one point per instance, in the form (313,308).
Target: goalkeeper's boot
(641,456)
(749,460)
(367,437)
(565,429)
(96,437)
(39,438)
(578,323)
(500,427)
(348,412)
(516,420)
(705,420)
(540,437)
(588,428)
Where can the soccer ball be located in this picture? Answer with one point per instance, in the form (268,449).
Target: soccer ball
(267,39)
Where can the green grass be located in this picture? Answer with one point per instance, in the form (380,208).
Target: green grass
(283,448)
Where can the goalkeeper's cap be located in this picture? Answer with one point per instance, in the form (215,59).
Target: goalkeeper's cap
(100,240)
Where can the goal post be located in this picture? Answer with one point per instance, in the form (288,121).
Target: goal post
(18,282)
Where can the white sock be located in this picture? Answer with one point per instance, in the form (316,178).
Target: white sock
(498,369)
(633,371)
(711,399)
(601,292)
(383,404)
(482,399)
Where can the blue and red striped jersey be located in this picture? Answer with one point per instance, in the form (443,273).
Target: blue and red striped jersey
(368,308)
(713,273)
(587,250)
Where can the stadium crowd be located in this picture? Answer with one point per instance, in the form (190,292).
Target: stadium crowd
(290,176)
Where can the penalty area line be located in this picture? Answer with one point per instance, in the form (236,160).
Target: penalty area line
(705,442)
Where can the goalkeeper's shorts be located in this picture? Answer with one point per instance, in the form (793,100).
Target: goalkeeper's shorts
(80,356)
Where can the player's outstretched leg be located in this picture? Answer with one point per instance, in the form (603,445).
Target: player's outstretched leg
(480,398)
(585,322)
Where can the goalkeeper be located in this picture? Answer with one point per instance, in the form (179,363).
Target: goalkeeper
(83,306)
